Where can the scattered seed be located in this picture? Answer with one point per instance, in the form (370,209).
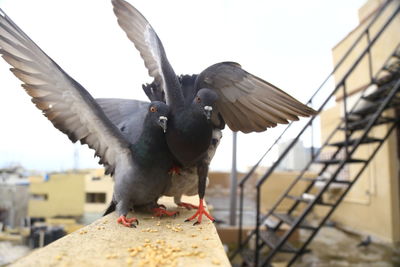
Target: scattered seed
(216,262)
(58,257)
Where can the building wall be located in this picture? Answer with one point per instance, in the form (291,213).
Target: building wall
(276,184)
(65,195)
(373,205)
(98,183)
(374,198)
(379,53)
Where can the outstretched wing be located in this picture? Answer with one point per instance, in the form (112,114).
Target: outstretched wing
(145,39)
(127,114)
(248,103)
(62,100)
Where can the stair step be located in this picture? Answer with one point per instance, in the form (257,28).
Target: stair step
(350,142)
(290,220)
(387,78)
(392,68)
(366,110)
(360,124)
(380,92)
(371,109)
(272,240)
(326,180)
(338,161)
(248,257)
(308,200)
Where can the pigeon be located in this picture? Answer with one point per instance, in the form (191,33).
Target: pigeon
(184,182)
(138,162)
(223,93)
(365,242)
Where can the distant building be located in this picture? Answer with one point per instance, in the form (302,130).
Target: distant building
(13,197)
(80,194)
(296,159)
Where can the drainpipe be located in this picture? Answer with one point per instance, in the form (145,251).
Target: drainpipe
(232,220)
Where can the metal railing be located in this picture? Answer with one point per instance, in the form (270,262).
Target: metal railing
(366,33)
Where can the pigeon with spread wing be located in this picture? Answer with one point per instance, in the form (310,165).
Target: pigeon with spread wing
(200,104)
(139,163)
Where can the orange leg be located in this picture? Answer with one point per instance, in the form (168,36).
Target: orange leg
(159,212)
(127,222)
(200,211)
(187,205)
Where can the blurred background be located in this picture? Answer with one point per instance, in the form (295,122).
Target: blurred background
(50,187)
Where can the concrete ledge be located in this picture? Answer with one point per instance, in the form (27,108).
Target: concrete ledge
(155,242)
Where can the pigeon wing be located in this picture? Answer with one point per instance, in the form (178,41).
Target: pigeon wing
(120,110)
(145,39)
(127,114)
(248,103)
(62,100)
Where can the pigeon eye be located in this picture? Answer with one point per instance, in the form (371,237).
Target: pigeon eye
(198,99)
(153,109)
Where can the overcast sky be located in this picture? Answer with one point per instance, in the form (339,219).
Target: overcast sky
(287,43)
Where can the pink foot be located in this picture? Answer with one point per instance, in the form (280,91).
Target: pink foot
(200,211)
(187,205)
(127,222)
(159,212)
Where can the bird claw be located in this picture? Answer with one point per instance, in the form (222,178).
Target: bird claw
(199,213)
(128,222)
(188,206)
(160,212)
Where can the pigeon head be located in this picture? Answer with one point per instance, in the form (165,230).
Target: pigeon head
(158,114)
(205,99)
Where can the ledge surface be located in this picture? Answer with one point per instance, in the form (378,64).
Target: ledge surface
(155,242)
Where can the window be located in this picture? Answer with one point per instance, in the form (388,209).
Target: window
(96,178)
(95,197)
(41,197)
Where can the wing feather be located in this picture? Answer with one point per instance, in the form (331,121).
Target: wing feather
(62,100)
(248,103)
(145,39)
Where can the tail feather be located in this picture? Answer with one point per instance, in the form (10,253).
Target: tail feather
(111,208)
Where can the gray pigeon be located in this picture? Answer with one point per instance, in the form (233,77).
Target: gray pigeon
(184,181)
(222,93)
(139,164)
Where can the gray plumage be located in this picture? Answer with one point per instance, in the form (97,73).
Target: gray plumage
(187,181)
(139,163)
(241,100)
(122,112)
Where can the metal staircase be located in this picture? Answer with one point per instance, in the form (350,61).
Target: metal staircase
(341,151)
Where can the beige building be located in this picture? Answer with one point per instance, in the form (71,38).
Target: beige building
(70,194)
(373,204)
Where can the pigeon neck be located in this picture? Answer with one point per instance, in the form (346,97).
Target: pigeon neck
(150,146)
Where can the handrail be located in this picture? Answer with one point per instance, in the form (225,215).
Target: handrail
(379,12)
(243,182)
(340,84)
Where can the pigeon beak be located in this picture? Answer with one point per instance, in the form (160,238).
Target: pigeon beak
(162,121)
(208,111)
